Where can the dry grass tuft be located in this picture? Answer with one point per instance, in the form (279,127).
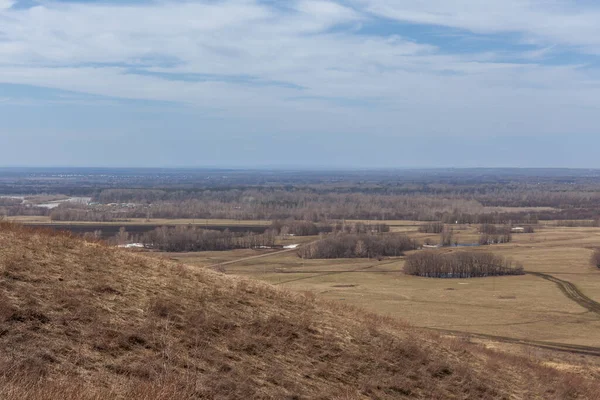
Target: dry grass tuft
(82,321)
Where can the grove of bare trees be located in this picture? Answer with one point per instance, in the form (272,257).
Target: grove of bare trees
(358,246)
(184,238)
(432,227)
(465,264)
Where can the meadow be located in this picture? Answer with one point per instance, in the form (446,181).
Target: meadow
(81,316)
(526,307)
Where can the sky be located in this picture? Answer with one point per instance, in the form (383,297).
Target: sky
(307,83)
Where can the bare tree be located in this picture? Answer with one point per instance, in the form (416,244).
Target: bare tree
(122,236)
(446,237)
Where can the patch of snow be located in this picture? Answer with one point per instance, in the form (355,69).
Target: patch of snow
(132,246)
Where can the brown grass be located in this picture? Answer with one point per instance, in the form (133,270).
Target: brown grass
(525,307)
(79,320)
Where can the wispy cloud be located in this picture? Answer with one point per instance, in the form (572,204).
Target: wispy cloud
(248,59)
(4,4)
(561,22)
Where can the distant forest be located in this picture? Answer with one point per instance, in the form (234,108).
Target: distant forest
(448,196)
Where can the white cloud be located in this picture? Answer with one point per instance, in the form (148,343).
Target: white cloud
(561,22)
(4,4)
(348,81)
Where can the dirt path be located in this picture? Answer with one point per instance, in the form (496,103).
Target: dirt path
(250,258)
(326,273)
(571,291)
(563,347)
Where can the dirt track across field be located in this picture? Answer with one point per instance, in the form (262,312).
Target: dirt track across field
(238,260)
(563,347)
(571,291)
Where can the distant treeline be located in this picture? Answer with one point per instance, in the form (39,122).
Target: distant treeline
(81,212)
(360,227)
(299,228)
(184,238)
(480,201)
(464,264)
(316,205)
(580,223)
(358,246)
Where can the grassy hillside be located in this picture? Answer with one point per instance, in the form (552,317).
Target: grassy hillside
(80,320)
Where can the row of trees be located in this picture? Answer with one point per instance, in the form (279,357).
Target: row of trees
(360,227)
(594,223)
(80,213)
(487,239)
(300,203)
(553,193)
(308,228)
(185,238)
(465,264)
(215,210)
(447,203)
(492,229)
(299,228)
(358,246)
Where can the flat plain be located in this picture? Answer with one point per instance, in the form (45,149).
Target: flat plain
(526,307)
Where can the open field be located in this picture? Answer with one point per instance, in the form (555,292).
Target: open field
(106,322)
(525,307)
(554,306)
(80,320)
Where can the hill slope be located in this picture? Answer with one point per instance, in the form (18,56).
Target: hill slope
(81,320)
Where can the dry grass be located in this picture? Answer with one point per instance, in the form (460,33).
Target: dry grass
(82,321)
(525,307)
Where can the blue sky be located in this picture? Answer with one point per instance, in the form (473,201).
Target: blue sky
(347,83)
